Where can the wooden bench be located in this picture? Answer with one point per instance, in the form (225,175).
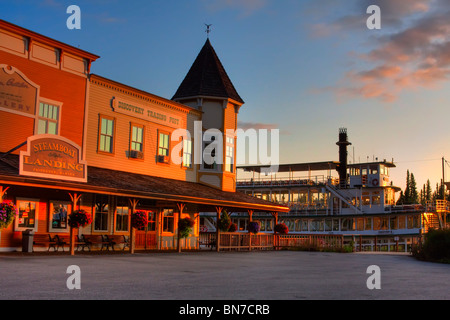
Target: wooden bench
(46,239)
(107,241)
(119,240)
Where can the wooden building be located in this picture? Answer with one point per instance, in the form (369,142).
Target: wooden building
(75,140)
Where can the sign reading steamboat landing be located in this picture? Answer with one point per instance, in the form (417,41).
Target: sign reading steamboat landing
(50,156)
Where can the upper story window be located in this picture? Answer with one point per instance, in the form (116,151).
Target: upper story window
(163,147)
(48,118)
(229,159)
(137,138)
(137,141)
(106,136)
(187,153)
(207,149)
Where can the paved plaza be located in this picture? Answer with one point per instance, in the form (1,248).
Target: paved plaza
(271,275)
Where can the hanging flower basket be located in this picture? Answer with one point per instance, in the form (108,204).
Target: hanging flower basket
(79,219)
(253,227)
(139,220)
(185,227)
(8,212)
(281,228)
(232,228)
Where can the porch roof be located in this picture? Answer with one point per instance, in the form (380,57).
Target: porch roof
(126,184)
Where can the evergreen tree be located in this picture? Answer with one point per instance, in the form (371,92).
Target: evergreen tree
(413,195)
(422,199)
(401,198)
(428,191)
(407,193)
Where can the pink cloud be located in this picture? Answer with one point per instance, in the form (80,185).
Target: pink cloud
(414,57)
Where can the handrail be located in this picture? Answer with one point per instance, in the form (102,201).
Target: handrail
(305,180)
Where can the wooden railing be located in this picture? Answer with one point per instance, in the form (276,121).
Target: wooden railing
(245,241)
(309,241)
(269,241)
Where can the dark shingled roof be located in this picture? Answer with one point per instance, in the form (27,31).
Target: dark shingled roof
(105,181)
(207,77)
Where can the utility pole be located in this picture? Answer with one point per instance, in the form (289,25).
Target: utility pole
(443,179)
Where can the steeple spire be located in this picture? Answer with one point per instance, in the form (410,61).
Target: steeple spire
(207,78)
(208,29)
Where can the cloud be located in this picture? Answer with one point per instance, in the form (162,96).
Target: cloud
(414,56)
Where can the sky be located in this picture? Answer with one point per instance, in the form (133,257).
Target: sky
(305,67)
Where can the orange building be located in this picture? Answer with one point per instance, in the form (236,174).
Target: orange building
(75,140)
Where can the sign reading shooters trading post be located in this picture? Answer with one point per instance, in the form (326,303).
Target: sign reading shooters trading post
(50,156)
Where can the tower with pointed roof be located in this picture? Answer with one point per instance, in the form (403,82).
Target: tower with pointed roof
(208,88)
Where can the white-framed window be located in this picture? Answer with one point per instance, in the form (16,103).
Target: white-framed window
(206,165)
(229,156)
(163,144)
(106,134)
(58,215)
(122,214)
(101,213)
(137,138)
(187,153)
(48,120)
(168,220)
(27,214)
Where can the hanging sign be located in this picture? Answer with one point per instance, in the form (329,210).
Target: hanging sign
(51,156)
(17,93)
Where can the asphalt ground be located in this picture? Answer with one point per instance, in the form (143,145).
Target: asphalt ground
(271,275)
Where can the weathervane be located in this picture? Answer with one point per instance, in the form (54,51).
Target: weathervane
(208,29)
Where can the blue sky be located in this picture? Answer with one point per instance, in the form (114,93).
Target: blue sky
(306,67)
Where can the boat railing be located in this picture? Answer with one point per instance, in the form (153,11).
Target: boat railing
(404,208)
(438,206)
(280,182)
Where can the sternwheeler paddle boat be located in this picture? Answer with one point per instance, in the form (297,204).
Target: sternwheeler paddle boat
(359,204)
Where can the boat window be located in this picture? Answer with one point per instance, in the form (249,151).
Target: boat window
(373,169)
(335,224)
(366,200)
(368,224)
(375,200)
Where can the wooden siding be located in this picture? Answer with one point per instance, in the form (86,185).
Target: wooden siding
(64,87)
(101,95)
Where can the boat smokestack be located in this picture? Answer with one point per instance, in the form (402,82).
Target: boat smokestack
(342,167)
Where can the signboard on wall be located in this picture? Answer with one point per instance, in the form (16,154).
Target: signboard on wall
(55,157)
(147,113)
(17,93)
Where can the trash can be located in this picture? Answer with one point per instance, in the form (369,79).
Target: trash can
(27,240)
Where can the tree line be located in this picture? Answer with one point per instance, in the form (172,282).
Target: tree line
(412,196)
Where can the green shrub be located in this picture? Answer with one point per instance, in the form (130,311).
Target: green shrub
(224,222)
(435,247)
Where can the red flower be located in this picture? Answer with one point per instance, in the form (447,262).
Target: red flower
(281,228)
(79,218)
(139,220)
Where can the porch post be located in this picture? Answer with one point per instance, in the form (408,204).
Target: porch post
(133,204)
(250,219)
(2,193)
(75,197)
(180,212)
(158,227)
(218,211)
(275,222)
